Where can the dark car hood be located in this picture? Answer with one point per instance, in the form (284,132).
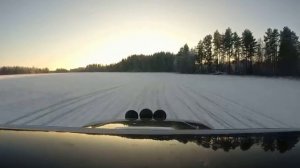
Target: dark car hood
(45,147)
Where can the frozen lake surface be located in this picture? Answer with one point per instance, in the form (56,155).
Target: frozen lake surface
(76,99)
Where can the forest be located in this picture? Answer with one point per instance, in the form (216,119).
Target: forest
(6,70)
(276,54)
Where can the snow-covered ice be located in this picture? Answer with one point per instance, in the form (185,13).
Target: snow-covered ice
(76,99)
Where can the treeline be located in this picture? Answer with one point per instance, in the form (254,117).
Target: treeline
(277,53)
(9,70)
(21,70)
(158,62)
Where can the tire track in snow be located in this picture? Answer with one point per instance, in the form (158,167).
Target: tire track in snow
(111,111)
(276,122)
(224,109)
(60,115)
(211,114)
(246,109)
(144,98)
(180,98)
(113,115)
(158,96)
(134,104)
(61,104)
(242,115)
(170,109)
(87,115)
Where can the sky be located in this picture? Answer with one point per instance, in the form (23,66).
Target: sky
(74,33)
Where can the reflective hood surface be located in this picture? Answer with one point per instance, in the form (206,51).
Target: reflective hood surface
(58,149)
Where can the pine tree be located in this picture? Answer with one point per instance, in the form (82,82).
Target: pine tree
(185,60)
(228,45)
(259,56)
(249,46)
(200,55)
(207,42)
(271,40)
(274,47)
(259,52)
(288,52)
(217,47)
(237,46)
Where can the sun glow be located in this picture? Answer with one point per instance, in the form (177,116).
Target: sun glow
(114,48)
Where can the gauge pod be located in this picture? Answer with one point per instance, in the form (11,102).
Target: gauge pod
(146,114)
(160,115)
(131,115)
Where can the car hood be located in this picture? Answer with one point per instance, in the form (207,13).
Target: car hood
(49,148)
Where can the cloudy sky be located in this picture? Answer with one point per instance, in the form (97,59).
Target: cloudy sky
(73,33)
